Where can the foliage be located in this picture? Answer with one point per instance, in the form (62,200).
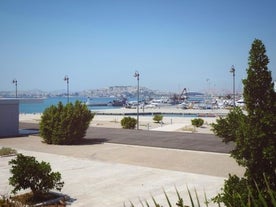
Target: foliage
(234,192)
(158,118)
(260,149)
(7,151)
(197,122)
(65,124)
(27,172)
(6,202)
(232,126)
(254,134)
(237,193)
(128,122)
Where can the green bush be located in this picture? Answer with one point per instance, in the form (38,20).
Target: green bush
(128,123)
(27,172)
(158,118)
(65,124)
(237,192)
(198,122)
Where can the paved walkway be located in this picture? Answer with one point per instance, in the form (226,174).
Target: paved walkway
(101,173)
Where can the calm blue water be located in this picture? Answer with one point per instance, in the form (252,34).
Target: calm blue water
(40,107)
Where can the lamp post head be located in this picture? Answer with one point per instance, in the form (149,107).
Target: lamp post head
(136,75)
(66,78)
(232,70)
(14,81)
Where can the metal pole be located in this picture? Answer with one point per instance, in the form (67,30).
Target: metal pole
(15,82)
(138,91)
(137,75)
(232,70)
(66,78)
(68,90)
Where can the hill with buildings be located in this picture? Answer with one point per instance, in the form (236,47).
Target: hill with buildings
(112,91)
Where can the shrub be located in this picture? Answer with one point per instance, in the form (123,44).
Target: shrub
(7,151)
(197,122)
(158,118)
(128,123)
(238,192)
(27,172)
(65,124)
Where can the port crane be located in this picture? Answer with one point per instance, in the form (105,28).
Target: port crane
(183,95)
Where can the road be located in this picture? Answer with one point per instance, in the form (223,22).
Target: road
(172,140)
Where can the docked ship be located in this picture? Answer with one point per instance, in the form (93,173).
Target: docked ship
(89,102)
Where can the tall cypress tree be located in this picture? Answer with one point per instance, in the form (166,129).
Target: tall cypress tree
(259,150)
(254,133)
(258,87)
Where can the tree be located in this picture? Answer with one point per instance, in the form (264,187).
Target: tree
(65,124)
(158,118)
(128,122)
(27,172)
(254,133)
(260,98)
(197,122)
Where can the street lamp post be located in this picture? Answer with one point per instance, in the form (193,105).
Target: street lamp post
(137,75)
(232,70)
(66,78)
(15,82)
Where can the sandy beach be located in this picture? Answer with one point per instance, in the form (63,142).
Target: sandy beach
(174,119)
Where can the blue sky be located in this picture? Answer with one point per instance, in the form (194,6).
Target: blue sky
(173,44)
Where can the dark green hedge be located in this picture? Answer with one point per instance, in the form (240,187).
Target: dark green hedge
(65,124)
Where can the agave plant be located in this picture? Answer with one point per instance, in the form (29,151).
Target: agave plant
(260,200)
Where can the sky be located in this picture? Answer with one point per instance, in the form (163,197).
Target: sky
(173,44)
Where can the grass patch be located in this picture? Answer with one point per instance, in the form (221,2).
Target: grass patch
(188,129)
(5,151)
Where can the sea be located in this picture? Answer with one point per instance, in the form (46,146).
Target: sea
(39,107)
(33,108)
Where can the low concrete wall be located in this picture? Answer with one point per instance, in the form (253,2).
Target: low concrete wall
(9,117)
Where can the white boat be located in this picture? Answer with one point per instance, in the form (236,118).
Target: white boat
(184,105)
(240,103)
(158,103)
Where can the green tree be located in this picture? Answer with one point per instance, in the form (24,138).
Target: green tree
(128,123)
(27,172)
(198,122)
(259,152)
(158,118)
(254,133)
(65,124)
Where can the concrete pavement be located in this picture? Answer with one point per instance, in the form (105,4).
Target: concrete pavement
(100,173)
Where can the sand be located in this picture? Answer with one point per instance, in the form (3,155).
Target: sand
(111,118)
